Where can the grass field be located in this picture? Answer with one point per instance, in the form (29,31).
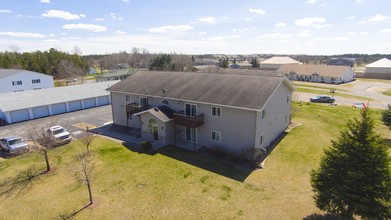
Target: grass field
(318,87)
(326,92)
(177,184)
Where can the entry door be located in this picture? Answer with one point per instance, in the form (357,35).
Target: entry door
(191,134)
(155,133)
(191,110)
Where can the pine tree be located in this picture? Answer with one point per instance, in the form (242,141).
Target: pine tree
(354,177)
(386,116)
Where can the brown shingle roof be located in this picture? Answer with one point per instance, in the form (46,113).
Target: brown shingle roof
(244,91)
(321,70)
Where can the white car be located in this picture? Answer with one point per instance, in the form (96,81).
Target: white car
(14,145)
(59,134)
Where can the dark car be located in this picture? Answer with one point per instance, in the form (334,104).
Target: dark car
(322,99)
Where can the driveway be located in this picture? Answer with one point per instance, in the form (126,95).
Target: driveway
(361,87)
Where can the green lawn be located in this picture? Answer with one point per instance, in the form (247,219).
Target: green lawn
(178,184)
(317,87)
(320,91)
(388,92)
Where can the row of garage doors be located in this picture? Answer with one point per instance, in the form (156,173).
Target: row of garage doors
(59,108)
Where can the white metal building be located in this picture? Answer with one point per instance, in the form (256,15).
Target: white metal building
(13,80)
(27,105)
(380,69)
(276,62)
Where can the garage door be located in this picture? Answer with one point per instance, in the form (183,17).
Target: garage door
(74,106)
(103,100)
(19,115)
(89,103)
(39,112)
(59,108)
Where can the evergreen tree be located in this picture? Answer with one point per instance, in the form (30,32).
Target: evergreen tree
(386,116)
(354,177)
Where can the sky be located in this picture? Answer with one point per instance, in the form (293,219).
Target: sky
(313,27)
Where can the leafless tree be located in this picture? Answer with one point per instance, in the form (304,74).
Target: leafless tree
(42,142)
(77,51)
(88,139)
(84,171)
(182,62)
(67,70)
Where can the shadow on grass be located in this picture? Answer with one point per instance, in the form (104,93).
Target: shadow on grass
(72,214)
(229,170)
(23,181)
(322,217)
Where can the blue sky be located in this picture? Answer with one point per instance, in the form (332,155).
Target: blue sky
(198,27)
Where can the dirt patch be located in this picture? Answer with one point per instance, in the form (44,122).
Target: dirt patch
(292,125)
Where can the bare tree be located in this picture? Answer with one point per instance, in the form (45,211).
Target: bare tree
(42,142)
(77,51)
(88,139)
(84,171)
(68,70)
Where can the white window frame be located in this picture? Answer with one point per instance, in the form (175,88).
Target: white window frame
(216,132)
(143,98)
(35,81)
(17,83)
(263,113)
(193,136)
(128,98)
(211,111)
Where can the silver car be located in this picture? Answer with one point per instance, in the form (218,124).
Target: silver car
(14,145)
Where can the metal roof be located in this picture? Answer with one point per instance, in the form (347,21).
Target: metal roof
(321,70)
(280,60)
(238,90)
(9,72)
(385,63)
(33,98)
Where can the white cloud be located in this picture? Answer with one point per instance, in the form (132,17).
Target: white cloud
(126,1)
(45,1)
(83,15)
(241,30)
(378,17)
(385,31)
(120,32)
(275,36)
(99,19)
(317,22)
(202,33)
(61,14)
(352,33)
(351,18)
(360,1)
(221,38)
(256,11)
(209,20)
(225,18)
(168,28)
(363,33)
(305,33)
(88,27)
(324,4)
(312,1)
(23,34)
(5,11)
(113,16)
(248,19)
(330,39)
(280,24)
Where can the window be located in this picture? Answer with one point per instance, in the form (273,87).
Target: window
(216,136)
(127,98)
(216,111)
(165,102)
(287,99)
(261,140)
(16,83)
(144,101)
(191,110)
(34,81)
(263,113)
(191,134)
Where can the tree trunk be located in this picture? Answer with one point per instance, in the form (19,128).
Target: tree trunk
(89,192)
(47,161)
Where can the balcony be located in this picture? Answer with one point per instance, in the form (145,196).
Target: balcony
(181,118)
(134,108)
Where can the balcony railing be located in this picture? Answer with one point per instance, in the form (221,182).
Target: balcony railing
(181,118)
(134,108)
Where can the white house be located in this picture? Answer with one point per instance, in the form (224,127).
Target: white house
(318,73)
(276,62)
(380,69)
(237,113)
(13,80)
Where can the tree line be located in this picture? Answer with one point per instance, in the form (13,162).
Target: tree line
(48,62)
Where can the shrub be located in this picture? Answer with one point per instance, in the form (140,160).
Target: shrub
(146,146)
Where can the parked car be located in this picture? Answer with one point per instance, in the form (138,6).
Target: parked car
(59,134)
(14,145)
(323,99)
(359,105)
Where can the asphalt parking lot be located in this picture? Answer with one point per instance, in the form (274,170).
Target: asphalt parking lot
(74,122)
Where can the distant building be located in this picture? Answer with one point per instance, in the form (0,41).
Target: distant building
(91,70)
(276,62)
(380,69)
(114,75)
(318,73)
(206,62)
(13,80)
(241,65)
(341,62)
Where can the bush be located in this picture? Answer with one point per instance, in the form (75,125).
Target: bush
(146,146)
(386,116)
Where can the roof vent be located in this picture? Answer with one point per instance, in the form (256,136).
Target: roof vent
(156,109)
